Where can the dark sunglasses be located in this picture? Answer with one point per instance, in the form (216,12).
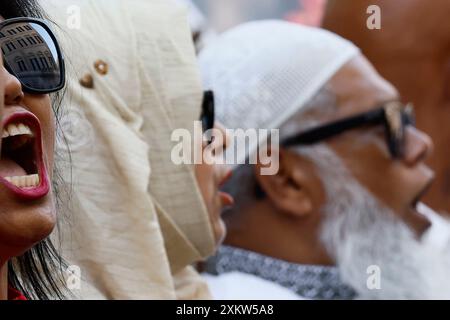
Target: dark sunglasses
(207,116)
(394,116)
(31,54)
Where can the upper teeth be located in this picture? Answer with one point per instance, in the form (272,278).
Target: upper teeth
(16,130)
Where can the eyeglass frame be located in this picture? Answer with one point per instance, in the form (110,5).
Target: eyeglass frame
(387,114)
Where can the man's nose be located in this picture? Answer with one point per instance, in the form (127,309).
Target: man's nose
(418,146)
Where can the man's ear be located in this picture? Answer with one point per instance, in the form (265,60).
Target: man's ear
(289,189)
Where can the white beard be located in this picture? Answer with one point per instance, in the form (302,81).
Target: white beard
(360,232)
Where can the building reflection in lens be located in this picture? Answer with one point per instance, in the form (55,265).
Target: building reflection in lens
(29,56)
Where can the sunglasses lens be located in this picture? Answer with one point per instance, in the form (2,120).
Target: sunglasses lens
(30,53)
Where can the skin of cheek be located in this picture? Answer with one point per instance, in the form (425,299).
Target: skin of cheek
(367,159)
(205,175)
(209,177)
(391,182)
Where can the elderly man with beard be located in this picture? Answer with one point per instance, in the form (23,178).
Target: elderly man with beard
(412,51)
(341,218)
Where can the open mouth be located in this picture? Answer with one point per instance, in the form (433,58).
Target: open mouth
(422,220)
(22,168)
(417,200)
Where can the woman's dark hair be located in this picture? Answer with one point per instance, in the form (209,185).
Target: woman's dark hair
(39,273)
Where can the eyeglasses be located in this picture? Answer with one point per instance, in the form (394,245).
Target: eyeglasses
(207,116)
(394,116)
(31,54)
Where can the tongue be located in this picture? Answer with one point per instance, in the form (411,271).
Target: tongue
(9,168)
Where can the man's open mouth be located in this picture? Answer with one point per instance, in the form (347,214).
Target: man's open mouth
(421,194)
(22,168)
(417,208)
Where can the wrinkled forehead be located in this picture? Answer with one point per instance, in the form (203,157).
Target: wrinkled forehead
(358,87)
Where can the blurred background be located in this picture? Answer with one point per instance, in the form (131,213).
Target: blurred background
(225,14)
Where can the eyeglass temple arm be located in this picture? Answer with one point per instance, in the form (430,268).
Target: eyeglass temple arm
(334,128)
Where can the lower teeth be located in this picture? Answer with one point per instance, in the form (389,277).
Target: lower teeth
(24,181)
